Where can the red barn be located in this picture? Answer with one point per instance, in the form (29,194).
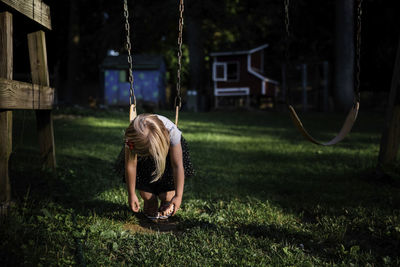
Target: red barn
(241,73)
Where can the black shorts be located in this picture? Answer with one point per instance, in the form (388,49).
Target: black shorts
(146,166)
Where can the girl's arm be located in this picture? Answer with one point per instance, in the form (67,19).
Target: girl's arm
(179,175)
(130,178)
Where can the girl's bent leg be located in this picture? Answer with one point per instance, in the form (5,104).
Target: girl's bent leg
(150,203)
(166,197)
(166,209)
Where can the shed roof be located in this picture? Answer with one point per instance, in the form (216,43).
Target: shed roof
(241,52)
(140,62)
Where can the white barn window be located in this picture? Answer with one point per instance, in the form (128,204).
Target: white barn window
(220,71)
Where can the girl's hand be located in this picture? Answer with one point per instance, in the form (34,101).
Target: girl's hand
(176,201)
(134,202)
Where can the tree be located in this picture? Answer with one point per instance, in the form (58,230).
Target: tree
(73,51)
(390,141)
(194,33)
(344,54)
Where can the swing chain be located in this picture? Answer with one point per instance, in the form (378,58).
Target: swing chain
(358,50)
(287,22)
(287,27)
(287,55)
(178,99)
(132,98)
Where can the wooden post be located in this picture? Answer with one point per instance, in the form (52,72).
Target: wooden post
(390,140)
(6,70)
(40,75)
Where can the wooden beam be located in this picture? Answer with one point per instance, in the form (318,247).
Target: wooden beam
(33,9)
(21,95)
(5,152)
(6,71)
(6,45)
(40,75)
(38,58)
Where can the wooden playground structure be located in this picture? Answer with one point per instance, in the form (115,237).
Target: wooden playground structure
(14,95)
(39,96)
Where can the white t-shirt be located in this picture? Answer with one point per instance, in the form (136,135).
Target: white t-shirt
(174,133)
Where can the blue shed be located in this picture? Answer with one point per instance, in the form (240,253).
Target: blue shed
(149,79)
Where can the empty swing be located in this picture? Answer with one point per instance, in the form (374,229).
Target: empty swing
(352,115)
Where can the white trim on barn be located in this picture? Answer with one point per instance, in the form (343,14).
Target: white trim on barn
(215,66)
(232,91)
(258,75)
(225,77)
(238,91)
(216,54)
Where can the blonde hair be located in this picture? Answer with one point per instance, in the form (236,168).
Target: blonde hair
(149,137)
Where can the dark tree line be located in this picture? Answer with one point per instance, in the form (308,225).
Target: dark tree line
(83,31)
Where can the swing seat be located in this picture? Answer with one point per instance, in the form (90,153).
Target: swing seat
(346,128)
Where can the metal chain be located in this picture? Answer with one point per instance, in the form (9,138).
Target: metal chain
(287,22)
(287,39)
(178,100)
(358,51)
(128,46)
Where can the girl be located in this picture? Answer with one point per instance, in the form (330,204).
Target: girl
(155,161)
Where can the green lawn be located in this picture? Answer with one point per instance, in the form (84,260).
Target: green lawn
(262,196)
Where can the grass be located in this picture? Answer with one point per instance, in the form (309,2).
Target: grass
(262,196)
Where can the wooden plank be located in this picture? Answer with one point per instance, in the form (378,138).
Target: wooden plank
(21,95)
(6,71)
(6,45)
(40,75)
(391,132)
(38,58)
(33,9)
(5,152)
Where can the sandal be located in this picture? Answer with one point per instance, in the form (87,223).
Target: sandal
(165,211)
(152,218)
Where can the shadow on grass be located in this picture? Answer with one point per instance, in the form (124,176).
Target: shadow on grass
(72,185)
(327,248)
